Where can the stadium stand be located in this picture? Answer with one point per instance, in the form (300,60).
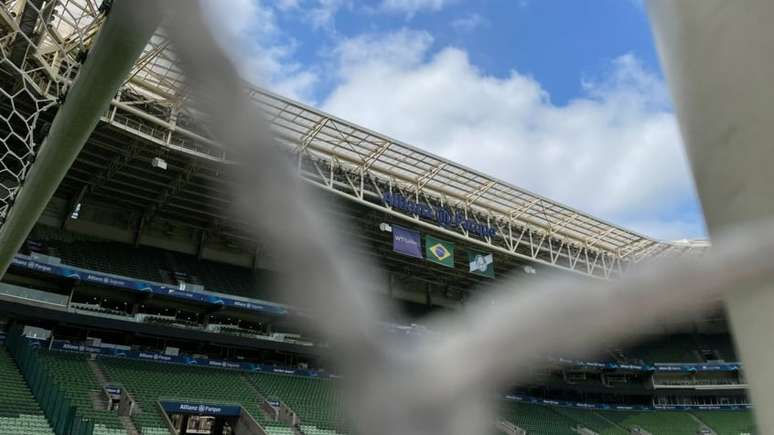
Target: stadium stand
(537,419)
(655,423)
(592,420)
(728,422)
(717,345)
(683,348)
(555,420)
(38,388)
(72,373)
(147,263)
(314,400)
(680,348)
(20,414)
(149,382)
(116,258)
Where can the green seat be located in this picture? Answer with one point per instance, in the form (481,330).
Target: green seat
(149,382)
(655,422)
(71,371)
(316,401)
(728,422)
(20,413)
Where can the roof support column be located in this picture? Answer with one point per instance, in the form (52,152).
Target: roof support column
(118,45)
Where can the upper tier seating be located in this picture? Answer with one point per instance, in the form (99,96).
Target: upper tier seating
(110,257)
(72,373)
(20,414)
(685,348)
(679,348)
(148,263)
(722,344)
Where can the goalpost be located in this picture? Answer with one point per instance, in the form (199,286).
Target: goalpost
(108,61)
(716,56)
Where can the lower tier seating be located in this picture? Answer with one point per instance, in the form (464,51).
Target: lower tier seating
(20,414)
(549,420)
(656,423)
(536,419)
(149,382)
(592,420)
(315,401)
(72,373)
(728,422)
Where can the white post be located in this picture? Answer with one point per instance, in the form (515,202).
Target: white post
(717,58)
(118,45)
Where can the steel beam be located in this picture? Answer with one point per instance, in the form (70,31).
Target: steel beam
(117,46)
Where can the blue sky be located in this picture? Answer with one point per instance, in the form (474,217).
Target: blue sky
(564,98)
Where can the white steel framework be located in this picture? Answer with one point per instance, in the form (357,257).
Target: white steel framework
(334,154)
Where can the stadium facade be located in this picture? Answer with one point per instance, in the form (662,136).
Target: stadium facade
(139,304)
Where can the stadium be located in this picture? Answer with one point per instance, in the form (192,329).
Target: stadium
(140,304)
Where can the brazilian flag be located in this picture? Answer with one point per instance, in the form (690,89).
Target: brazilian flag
(439,251)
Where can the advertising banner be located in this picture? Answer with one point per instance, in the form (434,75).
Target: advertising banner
(406,242)
(201,409)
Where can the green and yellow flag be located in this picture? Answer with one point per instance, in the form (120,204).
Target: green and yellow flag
(439,251)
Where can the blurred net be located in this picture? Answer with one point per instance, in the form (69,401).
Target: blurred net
(438,388)
(42,43)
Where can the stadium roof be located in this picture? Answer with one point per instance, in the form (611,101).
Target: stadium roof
(341,156)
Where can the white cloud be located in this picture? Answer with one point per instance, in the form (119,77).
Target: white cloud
(469,23)
(402,49)
(411,7)
(614,152)
(248,30)
(287,4)
(677,228)
(322,15)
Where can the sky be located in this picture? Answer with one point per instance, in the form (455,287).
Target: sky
(563,98)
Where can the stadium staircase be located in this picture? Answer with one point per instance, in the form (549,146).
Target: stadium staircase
(97,370)
(20,414)
(315,401)
(268,412)
(727,422)
(508,428)
(74,375)
(705,429)
(126,421)
(150,382)
(99,400)
(129,425)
